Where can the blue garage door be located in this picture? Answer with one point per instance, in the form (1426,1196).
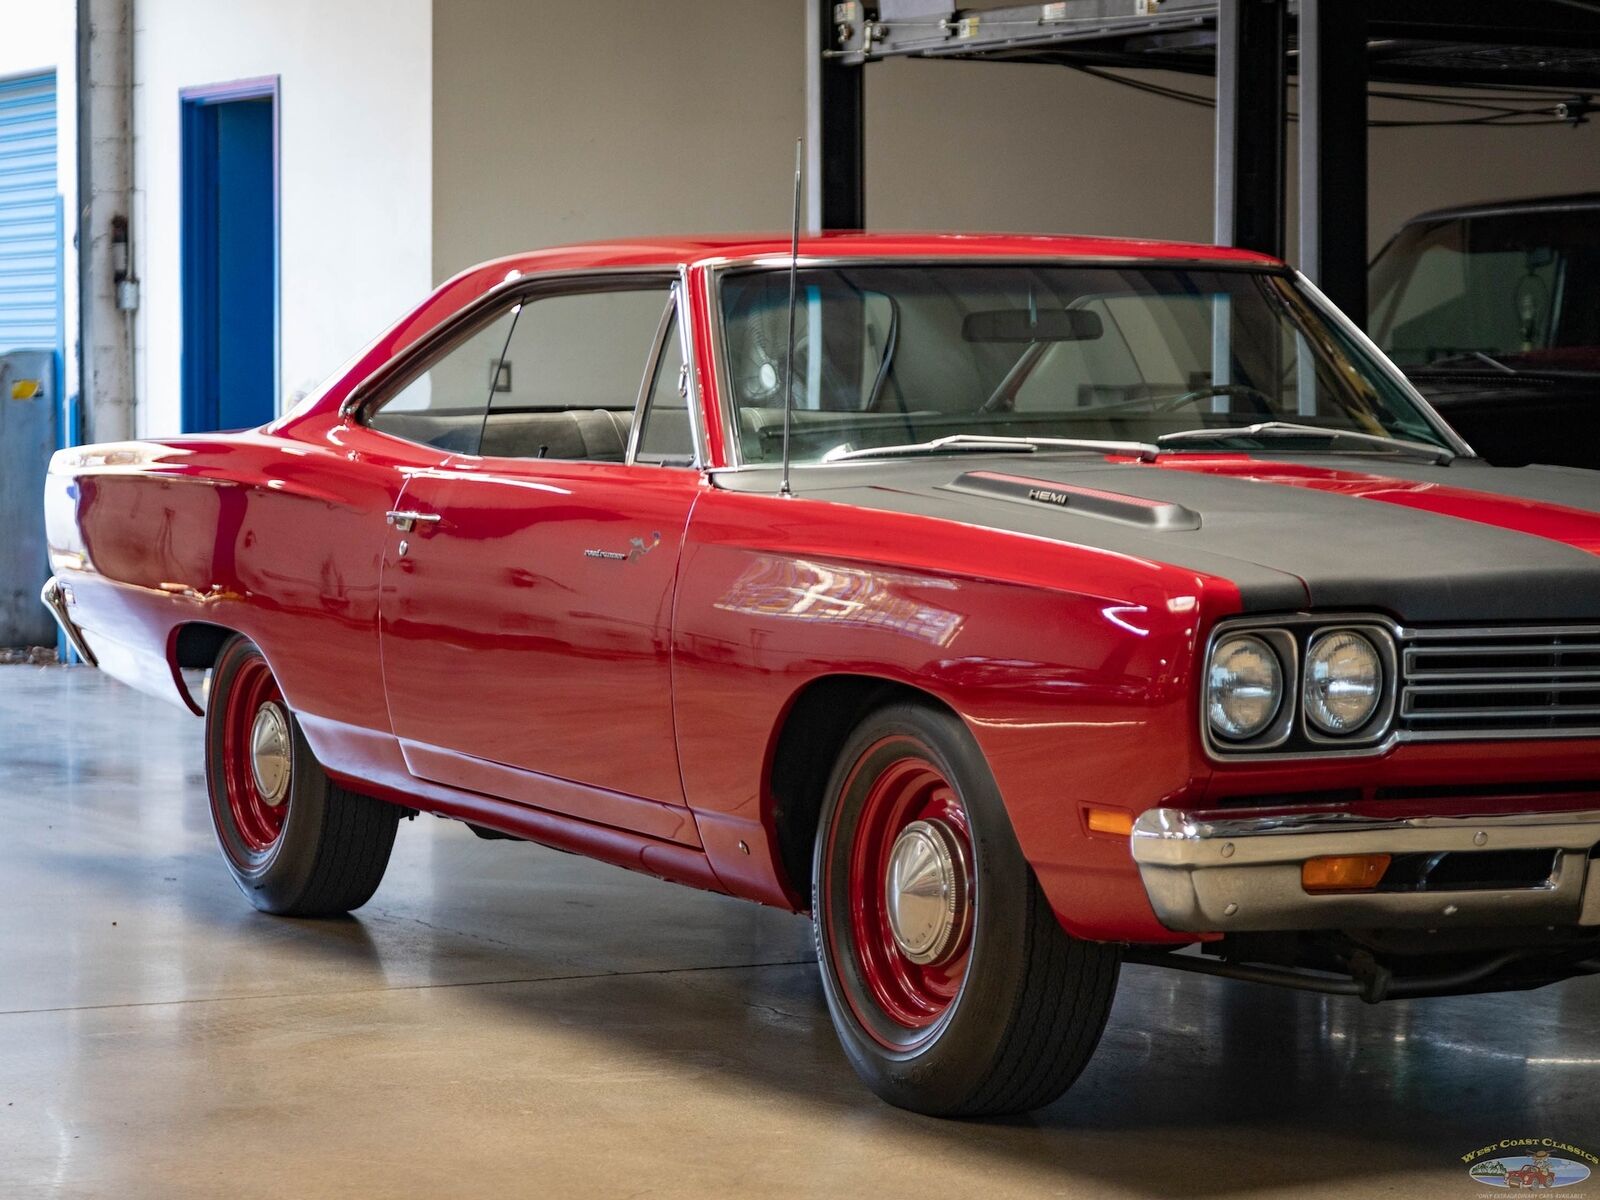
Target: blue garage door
(30,215)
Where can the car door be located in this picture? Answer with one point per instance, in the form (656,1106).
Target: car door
(526,596)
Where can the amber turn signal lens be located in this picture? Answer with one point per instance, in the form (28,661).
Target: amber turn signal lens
(1345,873)
(1110,820)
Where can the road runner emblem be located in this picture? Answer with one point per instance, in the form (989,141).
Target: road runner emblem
(638,548)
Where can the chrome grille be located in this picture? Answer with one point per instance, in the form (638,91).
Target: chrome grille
(1501,681)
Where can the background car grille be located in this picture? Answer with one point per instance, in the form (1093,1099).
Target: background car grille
(1531,681)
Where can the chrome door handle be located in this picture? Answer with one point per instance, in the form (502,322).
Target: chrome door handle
(405,522)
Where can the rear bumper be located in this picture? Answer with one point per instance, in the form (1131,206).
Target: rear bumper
(55,600)
(1243,874)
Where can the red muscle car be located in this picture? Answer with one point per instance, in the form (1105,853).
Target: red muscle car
(1036,605)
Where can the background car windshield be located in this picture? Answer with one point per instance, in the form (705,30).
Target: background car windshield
(889,355)
(1522,288)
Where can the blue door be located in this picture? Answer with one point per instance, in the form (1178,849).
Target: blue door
(230,263)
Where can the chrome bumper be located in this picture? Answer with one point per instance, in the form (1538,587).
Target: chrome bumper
(1243,873)
(56,602)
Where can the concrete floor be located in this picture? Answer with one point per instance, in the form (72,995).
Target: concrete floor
(503,1019)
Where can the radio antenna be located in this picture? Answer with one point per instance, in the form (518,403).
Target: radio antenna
(794,279)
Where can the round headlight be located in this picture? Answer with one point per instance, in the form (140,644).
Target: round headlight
(1343,682)
(1244,688)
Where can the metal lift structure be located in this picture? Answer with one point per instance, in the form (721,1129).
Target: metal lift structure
(1540,57)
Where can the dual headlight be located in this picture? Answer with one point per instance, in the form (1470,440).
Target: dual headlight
(1258,682)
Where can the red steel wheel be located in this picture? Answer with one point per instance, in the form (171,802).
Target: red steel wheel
(295,842)
(910,890)
(257,759)
(953,987)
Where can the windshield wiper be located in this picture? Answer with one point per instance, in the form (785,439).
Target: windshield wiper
(1459,359)
(972,443)
(1289,429)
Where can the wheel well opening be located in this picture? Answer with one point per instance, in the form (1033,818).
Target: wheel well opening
(814,732)
(197,645)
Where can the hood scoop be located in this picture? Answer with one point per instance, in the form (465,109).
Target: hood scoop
(1158,516)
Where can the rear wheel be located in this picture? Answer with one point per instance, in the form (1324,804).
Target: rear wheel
(953,987)
(296,843)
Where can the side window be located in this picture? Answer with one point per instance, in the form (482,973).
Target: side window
(443,406)
(666,435)
(569,381)
(551,377)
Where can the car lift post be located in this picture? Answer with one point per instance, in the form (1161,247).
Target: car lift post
(835,129)
(1252,89)
(1333,150)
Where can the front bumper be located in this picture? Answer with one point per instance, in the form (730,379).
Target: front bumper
(1243,874)
(55,600)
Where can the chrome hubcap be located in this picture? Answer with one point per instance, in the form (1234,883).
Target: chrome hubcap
(926,891)
(269,753)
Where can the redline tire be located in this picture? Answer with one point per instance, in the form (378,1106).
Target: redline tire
(1011,1007)
(296,843)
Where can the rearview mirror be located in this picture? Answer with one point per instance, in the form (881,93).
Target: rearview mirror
(1032,325)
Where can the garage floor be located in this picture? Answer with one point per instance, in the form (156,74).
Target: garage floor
(503,1019)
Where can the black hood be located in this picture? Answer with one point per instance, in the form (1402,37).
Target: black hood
(1458,543)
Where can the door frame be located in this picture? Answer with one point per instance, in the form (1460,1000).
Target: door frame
(196,234)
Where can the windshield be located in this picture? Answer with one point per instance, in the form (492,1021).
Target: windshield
(1522,290)
(894,355)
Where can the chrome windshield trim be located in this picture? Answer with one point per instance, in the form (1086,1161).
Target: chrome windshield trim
(717,268)
(1332,313)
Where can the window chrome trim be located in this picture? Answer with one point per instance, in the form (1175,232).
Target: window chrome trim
(466,320)
(647,384)
(1332,313)
(694,400)
(717,270)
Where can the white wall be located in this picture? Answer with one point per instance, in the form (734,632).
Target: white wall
(356,164)
(36,37)
(684,119)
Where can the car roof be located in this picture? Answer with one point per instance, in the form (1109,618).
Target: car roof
(709,249)
(1496,208)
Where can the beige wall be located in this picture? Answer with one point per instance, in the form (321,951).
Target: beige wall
(355,160)
(547,132)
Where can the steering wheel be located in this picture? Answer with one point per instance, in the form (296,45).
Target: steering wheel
(1264,401)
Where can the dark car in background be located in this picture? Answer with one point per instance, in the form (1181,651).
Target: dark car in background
(1493,311)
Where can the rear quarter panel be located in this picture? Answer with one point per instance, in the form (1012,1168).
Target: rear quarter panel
(278,538)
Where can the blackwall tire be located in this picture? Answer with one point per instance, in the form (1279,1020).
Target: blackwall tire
(296,843)
(981,1005)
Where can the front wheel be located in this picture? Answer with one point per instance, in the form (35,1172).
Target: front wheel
(953,987)
(296,843)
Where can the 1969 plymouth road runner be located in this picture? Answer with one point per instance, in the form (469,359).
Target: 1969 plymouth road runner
(1123,603)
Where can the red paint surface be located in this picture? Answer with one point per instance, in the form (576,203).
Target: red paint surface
(630,711)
